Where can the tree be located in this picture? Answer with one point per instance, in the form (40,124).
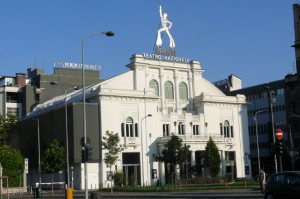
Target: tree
(212,159)
(110,143)
(6,123)
(175,152)
(54,158)
(10,158)
(12,163)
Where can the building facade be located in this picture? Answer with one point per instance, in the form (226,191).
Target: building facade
(20,94)
(180,102)
(10,94)
(266,113)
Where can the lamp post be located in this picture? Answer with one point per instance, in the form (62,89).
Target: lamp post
(272,122)
(109,34)
(257,145)
(67,132)
(142,146)
(39,151)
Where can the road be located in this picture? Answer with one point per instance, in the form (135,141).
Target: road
(207,194)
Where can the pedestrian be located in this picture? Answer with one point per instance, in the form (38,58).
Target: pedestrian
(262,180)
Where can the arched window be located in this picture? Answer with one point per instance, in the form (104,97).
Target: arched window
(169,91)
(129,129)
(183,92)
(153,84)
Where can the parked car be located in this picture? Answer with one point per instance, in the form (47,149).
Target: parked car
(283,185)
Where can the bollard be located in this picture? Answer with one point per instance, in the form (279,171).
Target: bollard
(69,193)
(38,193)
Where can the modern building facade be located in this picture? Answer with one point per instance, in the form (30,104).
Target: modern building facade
(266,113)
(10,94)
(155,99)
(20,94)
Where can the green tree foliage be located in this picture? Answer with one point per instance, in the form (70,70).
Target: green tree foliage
(212,159)
(12,164)
(175,151)
(6,123)
(119,179)
(110,143)
(54,158)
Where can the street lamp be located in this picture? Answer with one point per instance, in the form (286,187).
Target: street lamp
(67,132)
(257,145)
(109,34)
(142,146)
(272,122)
(39,151)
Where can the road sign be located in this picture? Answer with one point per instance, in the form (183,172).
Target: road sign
(279,134)
(26,165)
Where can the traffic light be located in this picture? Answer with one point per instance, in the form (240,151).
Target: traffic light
(83,155)
(280,147)
(86,153)
(89,153)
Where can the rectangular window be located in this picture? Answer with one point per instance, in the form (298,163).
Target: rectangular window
(181,129)
(229,155)
(13,111)
(196,129)
(122,130)
(131,130)
(166,130)
(136,129)
(231,131)
(12,97)
(221,129)
(127,130)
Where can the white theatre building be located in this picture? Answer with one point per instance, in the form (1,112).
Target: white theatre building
(159,98)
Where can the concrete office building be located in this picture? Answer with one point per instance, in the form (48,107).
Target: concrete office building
(259,99)
(180,101)
(10,92)
(20,94)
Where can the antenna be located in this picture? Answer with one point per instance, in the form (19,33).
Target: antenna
(294,68)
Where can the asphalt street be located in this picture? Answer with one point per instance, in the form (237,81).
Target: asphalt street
(208,194)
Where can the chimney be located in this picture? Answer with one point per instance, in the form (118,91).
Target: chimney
(20,79)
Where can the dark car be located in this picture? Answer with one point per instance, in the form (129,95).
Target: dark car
(283,185)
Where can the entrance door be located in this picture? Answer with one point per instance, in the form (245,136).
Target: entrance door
(131,168)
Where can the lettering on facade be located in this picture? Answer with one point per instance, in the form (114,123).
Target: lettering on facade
(77,66)
(165,58)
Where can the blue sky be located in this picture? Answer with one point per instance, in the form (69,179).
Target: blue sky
(250,39)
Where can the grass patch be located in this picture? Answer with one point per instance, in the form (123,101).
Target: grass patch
(183,187)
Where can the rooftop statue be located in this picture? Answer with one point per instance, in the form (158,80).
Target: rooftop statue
(166,26)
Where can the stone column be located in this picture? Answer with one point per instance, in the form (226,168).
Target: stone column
(193,161)
(223,163)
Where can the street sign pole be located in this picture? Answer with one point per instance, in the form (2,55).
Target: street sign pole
(279,135)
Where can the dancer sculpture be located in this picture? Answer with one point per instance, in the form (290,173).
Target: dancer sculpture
(166,26)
